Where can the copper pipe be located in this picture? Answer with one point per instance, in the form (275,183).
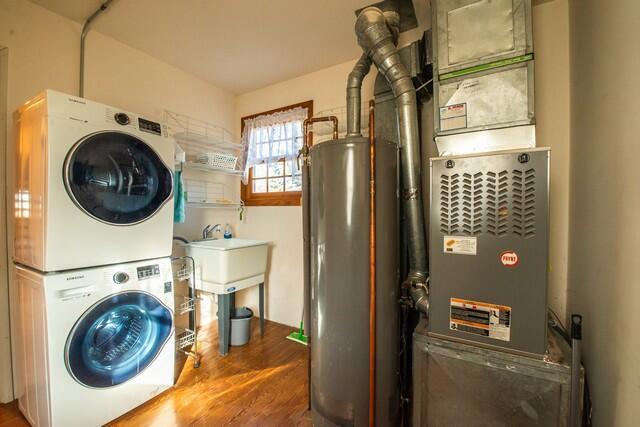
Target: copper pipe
(307,122)
(372,265)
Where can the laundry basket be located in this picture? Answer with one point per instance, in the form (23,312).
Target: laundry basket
(218,160)
(240,326)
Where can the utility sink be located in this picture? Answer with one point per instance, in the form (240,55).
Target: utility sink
(227,265)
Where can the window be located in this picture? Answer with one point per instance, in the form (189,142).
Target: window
(273,140)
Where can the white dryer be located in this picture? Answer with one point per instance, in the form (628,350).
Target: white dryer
(92,344)
(94,185)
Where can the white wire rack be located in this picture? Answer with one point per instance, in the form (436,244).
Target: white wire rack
(197,140)
(197,136)
(184,272)
(207,192)
(322,131)
(185,338)
(187,305)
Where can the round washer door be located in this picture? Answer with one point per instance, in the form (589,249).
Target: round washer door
(117,178)
(117,338)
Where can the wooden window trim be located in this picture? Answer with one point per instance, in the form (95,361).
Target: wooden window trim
(284,198)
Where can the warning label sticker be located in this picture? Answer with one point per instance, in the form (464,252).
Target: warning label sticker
(453,117)
(479,318)
(460,245)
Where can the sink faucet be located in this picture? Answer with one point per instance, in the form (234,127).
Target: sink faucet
(206,232)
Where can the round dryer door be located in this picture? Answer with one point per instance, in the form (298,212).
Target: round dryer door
(117,178)
(117,338)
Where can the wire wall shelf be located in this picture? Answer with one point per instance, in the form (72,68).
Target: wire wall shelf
(204,146)
(207,192)
(199,135)
(190,165)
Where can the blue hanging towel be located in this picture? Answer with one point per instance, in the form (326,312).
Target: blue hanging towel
(179,211)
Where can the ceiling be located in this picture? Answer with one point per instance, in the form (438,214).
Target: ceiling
(238,45)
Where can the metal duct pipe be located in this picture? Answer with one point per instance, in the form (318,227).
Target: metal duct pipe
(83,36)
(375,36)
(354,97)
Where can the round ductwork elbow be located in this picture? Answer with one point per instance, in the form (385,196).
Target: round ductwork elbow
(372,29)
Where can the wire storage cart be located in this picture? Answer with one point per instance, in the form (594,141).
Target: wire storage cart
(187,338)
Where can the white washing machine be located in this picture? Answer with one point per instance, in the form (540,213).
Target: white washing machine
(92,344)
(94,185)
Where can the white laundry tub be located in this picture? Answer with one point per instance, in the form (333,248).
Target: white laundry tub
(224,262)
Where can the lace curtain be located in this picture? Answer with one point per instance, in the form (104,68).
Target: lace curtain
(272,137)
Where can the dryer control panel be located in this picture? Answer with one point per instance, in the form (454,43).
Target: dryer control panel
(149,126)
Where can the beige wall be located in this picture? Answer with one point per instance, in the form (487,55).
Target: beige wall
(605,201)
(551,46)
(43,53)
(282,225)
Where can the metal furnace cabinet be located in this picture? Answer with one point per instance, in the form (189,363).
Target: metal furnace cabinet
(489,249)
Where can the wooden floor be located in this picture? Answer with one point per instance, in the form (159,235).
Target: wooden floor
(261,384)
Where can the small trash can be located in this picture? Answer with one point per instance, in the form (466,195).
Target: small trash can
(240,325)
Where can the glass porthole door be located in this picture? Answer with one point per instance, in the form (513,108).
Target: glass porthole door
(117,338)
(117,178)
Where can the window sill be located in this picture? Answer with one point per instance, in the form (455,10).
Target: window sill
(274,199)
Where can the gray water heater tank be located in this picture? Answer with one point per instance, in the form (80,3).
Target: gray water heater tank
(339,341)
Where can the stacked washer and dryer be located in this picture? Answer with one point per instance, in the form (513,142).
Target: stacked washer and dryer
(92,291)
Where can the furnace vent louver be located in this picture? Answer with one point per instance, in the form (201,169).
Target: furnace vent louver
(495,203)
(449,192)
(498,203)
(472,193)
(524,203)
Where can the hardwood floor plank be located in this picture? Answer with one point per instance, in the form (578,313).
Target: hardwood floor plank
(261,384)
(10,415)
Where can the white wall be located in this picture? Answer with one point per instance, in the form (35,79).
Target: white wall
(43,53)
(605,201)
(282,225)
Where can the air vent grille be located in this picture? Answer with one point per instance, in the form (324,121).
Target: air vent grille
(524,203)
(449,204)
(497,203)
(472,200)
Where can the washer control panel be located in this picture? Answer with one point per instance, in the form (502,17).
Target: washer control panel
(148,271)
